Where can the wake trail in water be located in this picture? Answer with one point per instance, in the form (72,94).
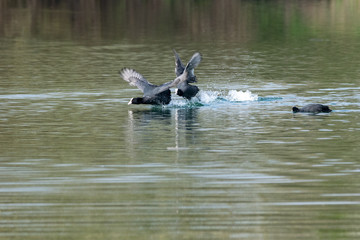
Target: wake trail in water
(206,98)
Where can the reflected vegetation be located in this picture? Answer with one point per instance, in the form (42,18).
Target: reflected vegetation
(77,162)
(91,21)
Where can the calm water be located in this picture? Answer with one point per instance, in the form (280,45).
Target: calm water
(76,162)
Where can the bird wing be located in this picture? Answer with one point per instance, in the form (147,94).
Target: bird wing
(193,63)
(185,76)
(135,79)
(165,86)
(188,74)
(179,67)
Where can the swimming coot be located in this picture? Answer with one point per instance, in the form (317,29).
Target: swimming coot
(157,94)
(313,108)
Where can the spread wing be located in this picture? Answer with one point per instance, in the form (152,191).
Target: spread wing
(193,63)
(187,75)
(179,67)
(135,79)
(165,86)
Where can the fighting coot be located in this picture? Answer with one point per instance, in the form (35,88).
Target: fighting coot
(184,89)
(158,94)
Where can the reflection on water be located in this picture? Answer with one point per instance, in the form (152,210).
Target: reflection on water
(77,162)
(197,21)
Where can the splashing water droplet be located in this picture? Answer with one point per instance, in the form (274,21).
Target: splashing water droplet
(208,96)
(213,97)
(237,96)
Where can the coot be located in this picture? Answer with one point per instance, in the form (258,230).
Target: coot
(313,108)
(158,94)
(184,89)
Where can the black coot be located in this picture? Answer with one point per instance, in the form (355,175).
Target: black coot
(157,94)
(184,89)
(313,108)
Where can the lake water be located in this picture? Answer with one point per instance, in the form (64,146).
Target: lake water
(77,162)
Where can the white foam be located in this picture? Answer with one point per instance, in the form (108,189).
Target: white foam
(232,96)
(208,96)
(178,103)
(237,96)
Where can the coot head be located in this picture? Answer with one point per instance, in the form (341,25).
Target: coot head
(179,92)
(295,109)
(136,101)
(326,109)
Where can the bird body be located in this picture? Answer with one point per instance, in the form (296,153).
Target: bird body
(313,108)
(186,90)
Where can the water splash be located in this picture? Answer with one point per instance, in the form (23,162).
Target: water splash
(238,96)
(231,96)
(213,97)
(207,97)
